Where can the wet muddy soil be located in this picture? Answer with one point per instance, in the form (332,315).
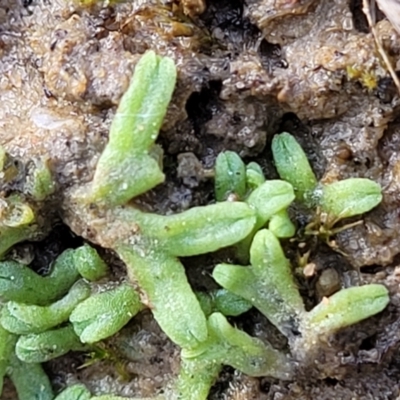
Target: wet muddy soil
(246,70)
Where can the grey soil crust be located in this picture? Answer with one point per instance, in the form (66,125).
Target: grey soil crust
(246,71)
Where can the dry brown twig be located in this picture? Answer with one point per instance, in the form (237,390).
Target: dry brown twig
(391,8)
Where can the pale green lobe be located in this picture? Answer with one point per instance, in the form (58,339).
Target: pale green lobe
(7,345)
(17,214)
(223,301)
(17,223)
(89,264)
(75,392)
(19,283)
(144,104)
(240,281)
(104,314)
(270,198)
(171,299)
(350,197)
(10,236)
(230,176)
(281,225)
(254,176)
(196,231)
(30,380)
(24,319)
(125,168)
(346,307)
(195,379)
(268,284)
(230,304)
(247,354)
(202,230)
(40,183)
(293,166)
(253,166)
(272,267)
(206,302)
(267,200)
(227,345)
(42,347)
(127,178)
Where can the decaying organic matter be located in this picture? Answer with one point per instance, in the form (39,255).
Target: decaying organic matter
(246,71)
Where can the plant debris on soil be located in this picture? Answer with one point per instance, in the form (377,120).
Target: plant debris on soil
(246,71)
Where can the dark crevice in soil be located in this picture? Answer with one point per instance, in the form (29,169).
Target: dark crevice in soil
(202,106)
(331,381)
(271,56)
(44,253)
(386,90)
(372,269)
(368,343)
(225,378)
(226,22)
(359,19)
